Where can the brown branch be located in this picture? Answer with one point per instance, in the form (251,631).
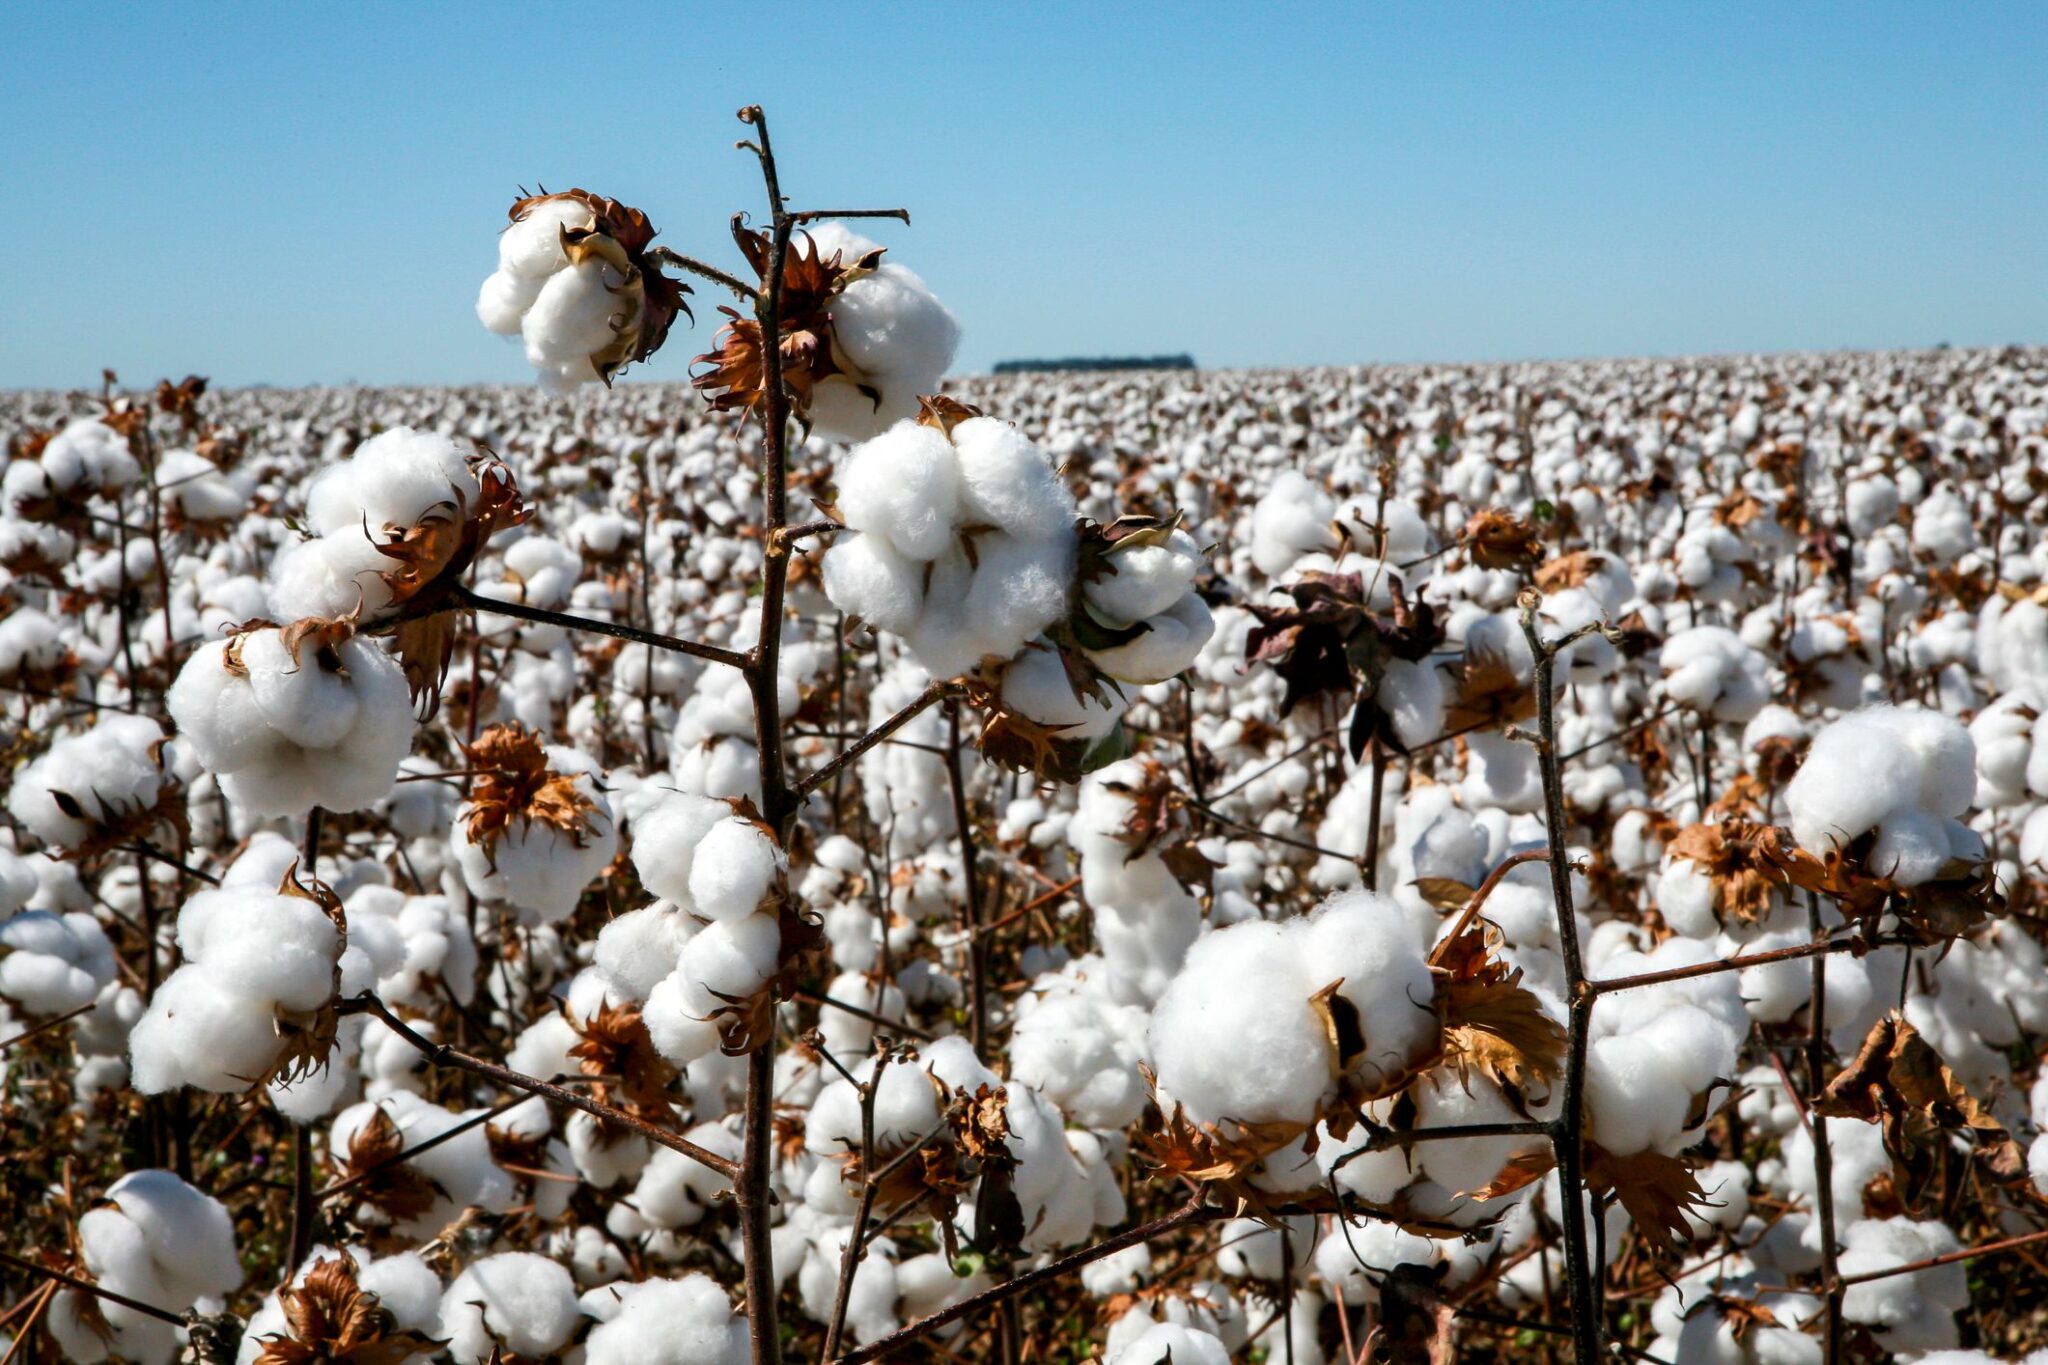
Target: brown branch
(852,752)
(475,601)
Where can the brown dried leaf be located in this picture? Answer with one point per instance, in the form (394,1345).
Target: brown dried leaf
(1656,1190)
(1899,1082)
(332,1320)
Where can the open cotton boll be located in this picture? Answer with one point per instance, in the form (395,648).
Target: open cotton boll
(1082,1049)
(85,782)
(537,864)
(1906,773)
(735,867)
(1909,1312)
(51,964)
(865,577)
(1710,669)
(1167,1343)
(89,454)
(904,485)
(891,334)
(1144,581)
(157,1240)
(686,1321)
(1168,646)
(1291,519)
(578,313)
(459,1168)
(392,480)
(253,958)
(530,247)
(639,948)
(29,642)
(514,1301)
(1010,483)
(676,1191)
(1234,1036)
(1035,686)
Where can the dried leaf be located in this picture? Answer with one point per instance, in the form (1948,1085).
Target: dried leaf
(1656,1190)
(1899,1082)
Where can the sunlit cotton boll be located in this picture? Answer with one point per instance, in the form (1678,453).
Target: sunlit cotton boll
(893,338)
(513,1301)
(328,730)
(686,1321)
(157,1240)
(84,782)
(1907,774)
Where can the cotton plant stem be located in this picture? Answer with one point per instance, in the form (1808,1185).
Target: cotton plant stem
(55,1021)
(1823,1157)
(1369,865)
(1568,1129)
(970,901)
(751,1192)
(475,601)
(441,1054)
(849,1262)
(853,751)
(84,1286)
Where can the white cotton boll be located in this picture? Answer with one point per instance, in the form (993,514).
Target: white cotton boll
(504,299)
(299,698)
(676,1191)
(639,948)
(1684,894)
(392,479)
(1290,520)
(1145,581)
(1369,943)
(52,964)
(190,1236)
(406,1287)
(579,312)
(677,1020)
(530,247)
(1710,669)
(904,486)
(515,1299)
(735,866)
(864,576)
(103,774)
(88,453)
(1009,483)
(1169,1344)
(1875,765)
(1912,846)
(1035,686)
(1169,645)
(29,642)
(732,958)
(686,1321)
(1234,1036)
(1018,589)
(665,839)
(1911,1312)
(1083,1051)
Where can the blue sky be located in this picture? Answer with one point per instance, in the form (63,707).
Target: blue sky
(301,194)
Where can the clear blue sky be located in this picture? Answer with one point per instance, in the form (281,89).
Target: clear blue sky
(299,194)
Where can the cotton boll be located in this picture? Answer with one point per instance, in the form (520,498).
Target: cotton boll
(578,313)
(1167,647)
(735,867)
(52,964)
(1145,581)
(1035,686)
(1169,1344)
(865,577)
(665,839)
(1912,1312)
(86,781)
(1242,994)
(686,1321)
(1291,519)
(1019,588)
(1009,483)
(515,1300)
(1366,942)
(300,698)
(904,486)
(639,948)
(1886,769)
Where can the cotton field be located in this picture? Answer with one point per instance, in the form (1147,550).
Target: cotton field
(804,859)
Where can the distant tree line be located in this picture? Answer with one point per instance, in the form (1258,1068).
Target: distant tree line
(1110,362)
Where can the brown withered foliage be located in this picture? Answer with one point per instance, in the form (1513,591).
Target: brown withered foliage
(811,282)
(1159,824)
(615,1042)
(181,400)
(1498,539)
(1492,1024)
(515,785)
(1416,1320)
(1656,1190)
(1746,861)
(1899,1082)
(623,238)
(332,1320)
(1015,741)
(1329,641)
(433,555)
(395,1189)
(1489,693)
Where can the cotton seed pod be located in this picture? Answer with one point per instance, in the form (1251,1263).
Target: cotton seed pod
(578,280)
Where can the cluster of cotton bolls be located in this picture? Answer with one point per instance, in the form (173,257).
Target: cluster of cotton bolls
(1829,566)
(157,1240)
(1905,775)
(963,543)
